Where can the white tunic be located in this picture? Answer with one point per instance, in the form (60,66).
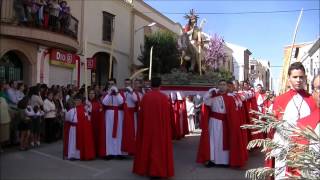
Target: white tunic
(217,154)
(113,145)
(190,113)
(73,152)
(131,100)
(260,102)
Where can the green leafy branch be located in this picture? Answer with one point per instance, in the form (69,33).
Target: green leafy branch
(303,157)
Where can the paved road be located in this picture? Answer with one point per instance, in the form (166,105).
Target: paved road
(46,163)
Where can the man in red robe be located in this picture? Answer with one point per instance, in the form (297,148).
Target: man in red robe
(291,106)
(130,119)
(218,146)
(268,103)
(313,120)
(250,105)
(139,93)
(260,97)
(78,136)
(154,151)
(238,137)
(180,115)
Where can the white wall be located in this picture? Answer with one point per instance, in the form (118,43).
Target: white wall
(122,34)
(238,61)
(139,22)
(94,20)
(312,66)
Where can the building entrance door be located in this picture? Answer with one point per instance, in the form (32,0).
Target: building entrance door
(100,75)
(11,67)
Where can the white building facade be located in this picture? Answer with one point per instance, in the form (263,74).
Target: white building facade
(97,29)
(35,52)
(311,61)
(241,56)
(118,28)
(259,73)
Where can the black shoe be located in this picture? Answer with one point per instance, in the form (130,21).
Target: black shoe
(223,165)
(120,157)
(109,157)
(210,164)
(154,177)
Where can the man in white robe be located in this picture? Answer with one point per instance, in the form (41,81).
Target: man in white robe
(218,155)
(113,103)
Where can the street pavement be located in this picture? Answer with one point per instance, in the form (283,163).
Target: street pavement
(46,163)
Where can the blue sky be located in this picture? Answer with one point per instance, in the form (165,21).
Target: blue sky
(265,35)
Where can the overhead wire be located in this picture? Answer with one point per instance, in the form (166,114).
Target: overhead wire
(239,13)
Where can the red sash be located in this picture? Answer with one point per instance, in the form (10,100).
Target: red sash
(115,122)
(138,102)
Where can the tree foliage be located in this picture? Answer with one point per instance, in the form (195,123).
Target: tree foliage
(180,77)
(214,53)
(165,52)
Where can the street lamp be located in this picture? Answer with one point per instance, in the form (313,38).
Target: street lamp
(149,25)
(132,49)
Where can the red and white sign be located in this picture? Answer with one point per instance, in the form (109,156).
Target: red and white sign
(63,58)
(91,63)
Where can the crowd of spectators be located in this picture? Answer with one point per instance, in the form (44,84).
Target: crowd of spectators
(30,115)
(54,15)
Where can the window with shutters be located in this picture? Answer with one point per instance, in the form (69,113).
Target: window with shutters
(108,26)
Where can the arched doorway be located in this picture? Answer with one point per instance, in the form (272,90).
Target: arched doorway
(11,67)
(100,75)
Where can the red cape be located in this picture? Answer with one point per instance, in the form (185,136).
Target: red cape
(313,120)
(177,107)
(251,104)
(154,151)
(236,143)
(102,135)
(172,120)
(96,117)
(203,154)
(84,136)
(128,132)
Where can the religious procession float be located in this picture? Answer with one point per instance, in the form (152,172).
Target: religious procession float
(190,63)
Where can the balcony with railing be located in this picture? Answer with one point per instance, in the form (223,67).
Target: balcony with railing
(39,23)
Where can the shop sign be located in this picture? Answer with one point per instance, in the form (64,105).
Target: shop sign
(91,63)
(63,58)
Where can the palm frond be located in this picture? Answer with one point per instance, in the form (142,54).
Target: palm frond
(293,149)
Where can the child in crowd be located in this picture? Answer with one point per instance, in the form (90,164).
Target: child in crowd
(35,114)
(24,117)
